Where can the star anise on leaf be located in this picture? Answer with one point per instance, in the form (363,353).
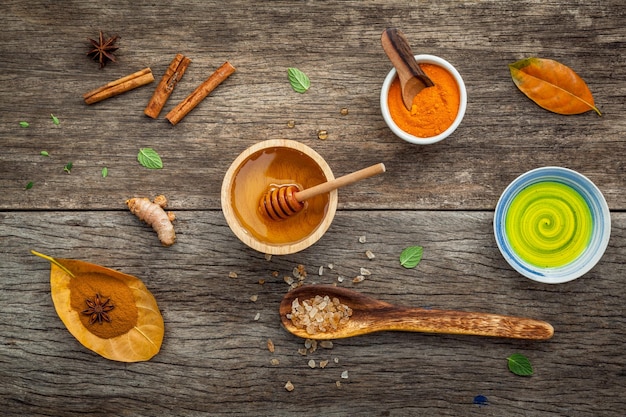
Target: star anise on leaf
(98,310)
(103,49)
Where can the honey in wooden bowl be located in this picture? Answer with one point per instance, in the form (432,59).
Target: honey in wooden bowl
(260,168)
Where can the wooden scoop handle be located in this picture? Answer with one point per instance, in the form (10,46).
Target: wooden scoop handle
(339,182)
(461,322)
(412,78)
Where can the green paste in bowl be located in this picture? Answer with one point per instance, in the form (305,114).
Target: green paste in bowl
(549,224)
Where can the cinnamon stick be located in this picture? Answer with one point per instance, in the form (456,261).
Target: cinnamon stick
(119,86)
(172,76)
(200,93)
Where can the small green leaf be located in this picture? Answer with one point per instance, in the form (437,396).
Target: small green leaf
(149,158)
(411,256)
(520,365)
(29,185)
(44,153)
(105,172)
(55,119)
(24,124)
(299,81)
(68,167)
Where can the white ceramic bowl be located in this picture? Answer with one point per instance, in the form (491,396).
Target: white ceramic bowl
(600,234)
(384,106)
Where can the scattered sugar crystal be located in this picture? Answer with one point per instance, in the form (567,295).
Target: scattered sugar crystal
(336,360)
(358,278)
(275,274)
(340,278)
(326,344)
(268,256)
(344,375)
(291,124)
(322,134)
(254,297)
(261,281)
(270,345)
(344,111)
(302,351)
(323,364)
(370,255)
(232,274)
(338,383)
(257,317)
(289,386)
(365,272)
(331,266)
(320,272)
(275,361)
(312,364)
(301,274)
(362,239)
(288,279)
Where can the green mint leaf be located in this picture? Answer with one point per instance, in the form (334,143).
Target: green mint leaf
(105,172)
(68,167)
(29,185)
(411,256)
(55,119)
(44,153)
(299,81)
(520,365)
(24,124)
(149,158)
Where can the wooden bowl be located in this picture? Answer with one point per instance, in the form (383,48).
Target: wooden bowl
(269,164)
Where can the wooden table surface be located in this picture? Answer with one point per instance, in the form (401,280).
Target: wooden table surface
(214,359)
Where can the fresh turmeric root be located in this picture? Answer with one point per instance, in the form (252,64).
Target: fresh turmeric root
(153,214)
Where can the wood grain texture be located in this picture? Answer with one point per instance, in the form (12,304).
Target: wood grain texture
(503,134)
(214,359)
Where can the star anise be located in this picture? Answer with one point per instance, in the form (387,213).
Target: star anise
(98,310)
(103,49)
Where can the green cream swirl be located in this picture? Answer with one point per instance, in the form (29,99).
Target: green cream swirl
(548,224)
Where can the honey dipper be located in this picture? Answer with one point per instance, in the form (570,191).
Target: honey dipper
(282,202)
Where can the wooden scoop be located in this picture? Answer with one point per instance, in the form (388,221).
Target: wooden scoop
(412,78)
(282,202)
(370,315)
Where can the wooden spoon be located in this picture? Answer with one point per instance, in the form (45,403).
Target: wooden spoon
(282,202)
(412,78)
(370,315)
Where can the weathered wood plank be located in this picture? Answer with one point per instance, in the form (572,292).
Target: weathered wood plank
(44,70)
(214,358)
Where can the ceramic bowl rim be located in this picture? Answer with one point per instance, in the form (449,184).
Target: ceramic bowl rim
(600,234)
(384,106)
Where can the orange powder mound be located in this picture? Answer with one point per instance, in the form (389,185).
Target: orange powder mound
(434,108)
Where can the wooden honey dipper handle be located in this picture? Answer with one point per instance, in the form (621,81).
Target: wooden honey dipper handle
(340,182)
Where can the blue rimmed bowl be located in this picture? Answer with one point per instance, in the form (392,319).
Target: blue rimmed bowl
(554,222)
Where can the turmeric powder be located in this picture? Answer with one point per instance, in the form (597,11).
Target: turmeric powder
(434,108)
(153,214)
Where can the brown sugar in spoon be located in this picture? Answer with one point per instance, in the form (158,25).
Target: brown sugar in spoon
(412,78)
(282,202)
(370,315)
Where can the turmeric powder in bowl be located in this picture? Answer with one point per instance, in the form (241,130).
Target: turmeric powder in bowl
(436,111)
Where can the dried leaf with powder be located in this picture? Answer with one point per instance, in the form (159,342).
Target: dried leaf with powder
(135,330)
